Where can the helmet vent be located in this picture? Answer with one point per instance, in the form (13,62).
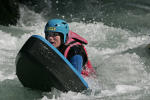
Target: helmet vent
(63,23)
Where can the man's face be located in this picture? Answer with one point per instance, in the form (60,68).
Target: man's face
(54,39)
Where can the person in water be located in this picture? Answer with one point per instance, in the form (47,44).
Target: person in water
(70,44)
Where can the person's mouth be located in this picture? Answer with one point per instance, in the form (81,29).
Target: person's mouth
(52,43)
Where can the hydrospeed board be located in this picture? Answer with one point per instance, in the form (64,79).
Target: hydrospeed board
(39,65)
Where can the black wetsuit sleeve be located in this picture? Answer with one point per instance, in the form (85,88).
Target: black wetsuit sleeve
(77,50)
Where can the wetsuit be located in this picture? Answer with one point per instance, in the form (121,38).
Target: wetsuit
(76,53)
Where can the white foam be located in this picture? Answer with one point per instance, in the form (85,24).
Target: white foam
(4,77)
(108,40)
(7,41)
(69,96)
(126,88)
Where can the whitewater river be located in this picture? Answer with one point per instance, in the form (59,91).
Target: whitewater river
(119,55)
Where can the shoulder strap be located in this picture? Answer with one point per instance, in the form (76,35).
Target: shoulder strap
(71,44)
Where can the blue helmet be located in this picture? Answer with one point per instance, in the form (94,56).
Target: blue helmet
(57,25)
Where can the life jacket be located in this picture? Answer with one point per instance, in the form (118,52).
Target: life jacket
(73,40)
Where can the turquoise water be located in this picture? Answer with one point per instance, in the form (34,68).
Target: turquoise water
(117,48)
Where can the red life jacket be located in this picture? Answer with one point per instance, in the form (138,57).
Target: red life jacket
(75,39)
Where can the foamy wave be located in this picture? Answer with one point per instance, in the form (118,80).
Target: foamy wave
(4,77)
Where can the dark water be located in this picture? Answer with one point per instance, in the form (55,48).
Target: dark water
(132,15)
(118,36)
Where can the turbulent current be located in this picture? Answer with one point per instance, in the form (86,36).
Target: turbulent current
(117,47)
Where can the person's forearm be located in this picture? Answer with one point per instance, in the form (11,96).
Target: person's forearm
(77,62)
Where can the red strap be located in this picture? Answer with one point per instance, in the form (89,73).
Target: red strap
(89,68)
(68,48)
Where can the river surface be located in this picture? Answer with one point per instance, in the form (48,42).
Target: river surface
(118,36)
